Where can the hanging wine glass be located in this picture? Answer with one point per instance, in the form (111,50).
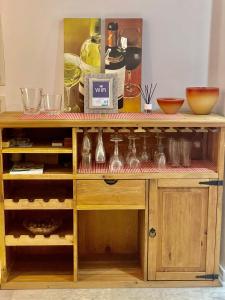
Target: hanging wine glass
(100,155)
(133,161)
(132,59)
(86,151)
(72,74)
(129,149)
(116,161)
(145,156)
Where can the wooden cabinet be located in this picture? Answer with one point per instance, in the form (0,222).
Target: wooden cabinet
(182,227)
(142,227)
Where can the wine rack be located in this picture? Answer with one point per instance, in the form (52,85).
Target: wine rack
(119,227)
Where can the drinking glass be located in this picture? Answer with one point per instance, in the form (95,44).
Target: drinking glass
(31,98)
(72,74)
(52,104)
(174,152)
(133,160)
(86,151)
(160,158)
(100,156)
(116,161)
(145,157)
(185,152)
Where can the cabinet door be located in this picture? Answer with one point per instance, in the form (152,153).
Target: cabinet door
(182,225)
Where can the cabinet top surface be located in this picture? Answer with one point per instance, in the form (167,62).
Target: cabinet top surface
(18,119)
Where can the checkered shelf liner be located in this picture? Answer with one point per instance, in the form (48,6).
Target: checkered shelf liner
(91,117)
(196,166)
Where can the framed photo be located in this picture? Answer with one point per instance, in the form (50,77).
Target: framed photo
(100,93)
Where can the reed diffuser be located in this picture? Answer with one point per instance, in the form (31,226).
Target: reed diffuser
(147,93)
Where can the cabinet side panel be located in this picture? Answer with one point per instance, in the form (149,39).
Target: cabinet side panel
(3,269)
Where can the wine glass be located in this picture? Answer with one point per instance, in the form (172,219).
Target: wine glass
(100,155)
(145,157)
(72,74)
(133,161)
(86,151)
(159,155)
(116,161)
(132,58)
(129,149)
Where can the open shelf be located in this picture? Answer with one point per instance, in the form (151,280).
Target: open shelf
(38,194)
(31,264)
(111,252)
(37,149)
(52,172)
(111,268)
(17,235)
(198,166)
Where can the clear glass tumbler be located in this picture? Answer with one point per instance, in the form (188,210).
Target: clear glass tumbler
(52,103)
(174,152)
(185,152)
(31,98)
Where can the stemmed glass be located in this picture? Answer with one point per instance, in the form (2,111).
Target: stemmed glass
(72,74)
(132,58)
(133,161)
(100,155)
(129,149)
(145,157)
(116,161)
(159,155)
(86,150)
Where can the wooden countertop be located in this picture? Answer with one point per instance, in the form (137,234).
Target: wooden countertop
(18,119)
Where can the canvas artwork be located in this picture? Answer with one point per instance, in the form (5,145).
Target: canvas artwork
(123,56)
(82,55)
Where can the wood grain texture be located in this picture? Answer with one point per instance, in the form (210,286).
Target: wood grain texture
(107,232)
(25,204)
(123,192)
(185,221)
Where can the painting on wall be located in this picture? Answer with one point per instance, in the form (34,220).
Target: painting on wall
(123,56)
(82,55)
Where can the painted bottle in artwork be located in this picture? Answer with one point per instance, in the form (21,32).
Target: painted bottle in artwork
(90,54)
(115,59)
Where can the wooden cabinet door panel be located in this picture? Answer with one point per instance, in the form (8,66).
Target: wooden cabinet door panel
(184,218)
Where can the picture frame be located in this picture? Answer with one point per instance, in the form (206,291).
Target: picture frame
(100,93)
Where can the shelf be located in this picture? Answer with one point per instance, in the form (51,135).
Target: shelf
(48,149)
(26,204)
(21,238)
(196,167)
(37,194)
(118,268)
(35,268)
(49,173)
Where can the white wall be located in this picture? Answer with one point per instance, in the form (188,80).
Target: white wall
(176,41)
(217,77)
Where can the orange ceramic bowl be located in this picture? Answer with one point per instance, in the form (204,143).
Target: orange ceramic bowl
(202,99)
(170,105)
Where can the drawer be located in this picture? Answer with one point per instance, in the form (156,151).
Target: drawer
(103,194)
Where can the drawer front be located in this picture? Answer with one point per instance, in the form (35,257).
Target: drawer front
(111,192)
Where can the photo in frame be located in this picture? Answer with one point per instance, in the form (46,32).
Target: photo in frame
(100,93)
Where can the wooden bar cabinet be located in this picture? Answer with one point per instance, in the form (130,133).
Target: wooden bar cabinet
(146,227)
